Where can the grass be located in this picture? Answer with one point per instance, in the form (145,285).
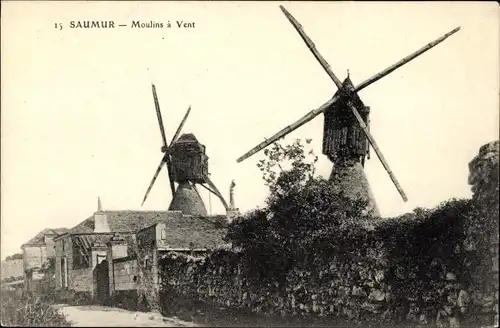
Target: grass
(28,310)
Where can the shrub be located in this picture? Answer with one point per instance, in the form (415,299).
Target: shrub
(303,214)
(311,251)
(147,299)
(29,310)
(10,279)
(17,256)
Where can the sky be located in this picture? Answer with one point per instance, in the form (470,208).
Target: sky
(78,119)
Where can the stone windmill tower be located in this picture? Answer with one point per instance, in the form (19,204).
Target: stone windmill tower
(346,134)
(187,164)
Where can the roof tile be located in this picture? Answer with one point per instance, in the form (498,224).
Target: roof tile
(39,238)
(203,232)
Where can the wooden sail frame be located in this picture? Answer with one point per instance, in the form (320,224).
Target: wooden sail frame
(345,91)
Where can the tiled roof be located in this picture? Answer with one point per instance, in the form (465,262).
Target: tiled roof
(202,232)
(39,238)
(126,220)
(88,241)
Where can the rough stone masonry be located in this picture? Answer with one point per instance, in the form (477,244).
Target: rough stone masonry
(484,179)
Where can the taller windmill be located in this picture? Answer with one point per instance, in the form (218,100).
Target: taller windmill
(187,164)
(346,135)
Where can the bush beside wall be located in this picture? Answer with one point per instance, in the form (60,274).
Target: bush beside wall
(125,299)
(29,310)
(429,267)
(412,269)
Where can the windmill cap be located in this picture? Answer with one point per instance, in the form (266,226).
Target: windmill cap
(187,137)
(187,141)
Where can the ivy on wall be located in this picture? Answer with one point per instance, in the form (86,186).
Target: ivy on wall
(311,251)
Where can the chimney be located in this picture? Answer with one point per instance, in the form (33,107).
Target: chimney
(118,247)
(232,211)
(100,219)
(231,195)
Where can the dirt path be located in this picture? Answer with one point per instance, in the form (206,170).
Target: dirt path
(101,316)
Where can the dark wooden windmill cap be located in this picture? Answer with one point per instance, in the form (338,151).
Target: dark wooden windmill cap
(187,137)
(348,85)
(188,141)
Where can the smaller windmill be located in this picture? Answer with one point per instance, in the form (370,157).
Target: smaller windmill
(187,164)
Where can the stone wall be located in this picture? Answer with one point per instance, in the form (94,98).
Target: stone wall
(63,249)
(144,248)
(363,281)
(353,285)
(81,280)
(125,274)
(33,259)
(50,246)
(124,280)
(421,268)
(34,256)
(12,268)
(484,179)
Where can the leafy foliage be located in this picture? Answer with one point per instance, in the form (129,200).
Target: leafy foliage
(287,167)
(17,256)
(303,210)
(146,291)
(310,251)
(12,278)
(28,310)
(48,282)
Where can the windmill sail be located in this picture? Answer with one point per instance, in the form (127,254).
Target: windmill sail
(312,47)
(187,164)
(163,161)
(153,180)
(376,77)
(158,114)
(347,94)
(176,135)
(292,127)
(377,151)
(170,172)
(405,60)
(216,192)
(166,158)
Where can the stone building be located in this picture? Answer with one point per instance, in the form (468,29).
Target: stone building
(12,269)
(36,253)
(108,236)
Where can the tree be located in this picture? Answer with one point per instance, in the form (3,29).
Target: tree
(298,196)
(287,167)
(303,214)
(17,256)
